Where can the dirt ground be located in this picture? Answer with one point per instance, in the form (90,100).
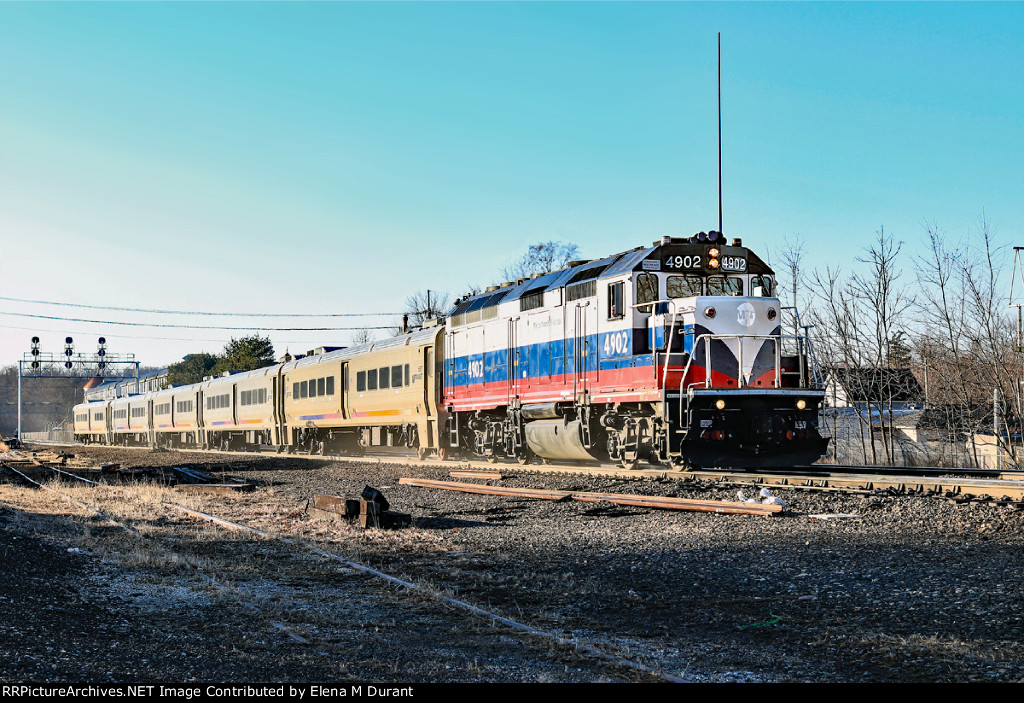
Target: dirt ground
(908,589)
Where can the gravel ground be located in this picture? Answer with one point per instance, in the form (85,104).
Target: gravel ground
(912,589)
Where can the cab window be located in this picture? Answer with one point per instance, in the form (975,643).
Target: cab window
(725,285)
(646,290)
(684,286)
(761,285)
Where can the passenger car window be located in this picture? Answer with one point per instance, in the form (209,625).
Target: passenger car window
(385,377)
(396,376)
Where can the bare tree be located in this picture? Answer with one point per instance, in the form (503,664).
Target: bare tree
(857,319)
(422,306)
(967,339)
(541,258)
(362,336)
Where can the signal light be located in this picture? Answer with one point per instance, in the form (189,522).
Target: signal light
(35,340)
(67,364)
(35,351)
(69,340)
(35,364)
(103,340)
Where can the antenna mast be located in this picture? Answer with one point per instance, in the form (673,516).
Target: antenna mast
(719,132)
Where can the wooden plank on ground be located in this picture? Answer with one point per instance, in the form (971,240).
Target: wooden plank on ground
(476,473)
(660,502)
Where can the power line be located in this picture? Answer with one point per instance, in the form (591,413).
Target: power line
(195,327)
(195,312)
(221,340)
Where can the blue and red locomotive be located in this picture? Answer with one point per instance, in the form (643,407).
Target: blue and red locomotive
(673,353)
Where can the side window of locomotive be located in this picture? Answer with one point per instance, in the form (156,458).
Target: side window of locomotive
(371,380)
(761,286)
(725,285)
(615,301)
(361,381)
(646,290)
(684,286)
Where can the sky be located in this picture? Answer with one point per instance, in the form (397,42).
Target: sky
(334,158)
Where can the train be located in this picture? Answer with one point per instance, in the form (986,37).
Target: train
(673,354)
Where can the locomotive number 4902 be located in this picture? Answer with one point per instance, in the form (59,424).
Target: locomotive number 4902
(683,262)
(734,263)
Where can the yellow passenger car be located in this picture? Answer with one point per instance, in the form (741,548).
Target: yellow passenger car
(380,394)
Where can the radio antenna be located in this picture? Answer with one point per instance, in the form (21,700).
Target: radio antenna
(720,133)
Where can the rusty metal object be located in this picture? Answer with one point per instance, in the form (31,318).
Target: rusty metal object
(660,502)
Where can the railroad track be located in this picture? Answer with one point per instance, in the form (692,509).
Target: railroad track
(504,625)
(954,483)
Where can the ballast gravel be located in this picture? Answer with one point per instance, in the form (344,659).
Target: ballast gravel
(877,587)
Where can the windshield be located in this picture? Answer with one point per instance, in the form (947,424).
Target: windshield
(725,285)
(685,286)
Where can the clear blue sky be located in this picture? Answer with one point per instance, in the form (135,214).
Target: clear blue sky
(336,157)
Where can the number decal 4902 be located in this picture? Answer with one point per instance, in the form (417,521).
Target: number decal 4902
(616,344)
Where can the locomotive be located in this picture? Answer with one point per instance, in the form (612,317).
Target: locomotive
(671,354)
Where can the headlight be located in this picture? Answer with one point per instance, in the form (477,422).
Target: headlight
(712,263)
(720,404)
(713,253)
(801,404)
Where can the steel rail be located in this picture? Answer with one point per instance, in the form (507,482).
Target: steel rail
(959,481)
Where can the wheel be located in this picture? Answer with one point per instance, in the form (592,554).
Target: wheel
(630,464)
(525,457)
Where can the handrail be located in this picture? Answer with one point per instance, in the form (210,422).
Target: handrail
(671,332)
(776,340)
